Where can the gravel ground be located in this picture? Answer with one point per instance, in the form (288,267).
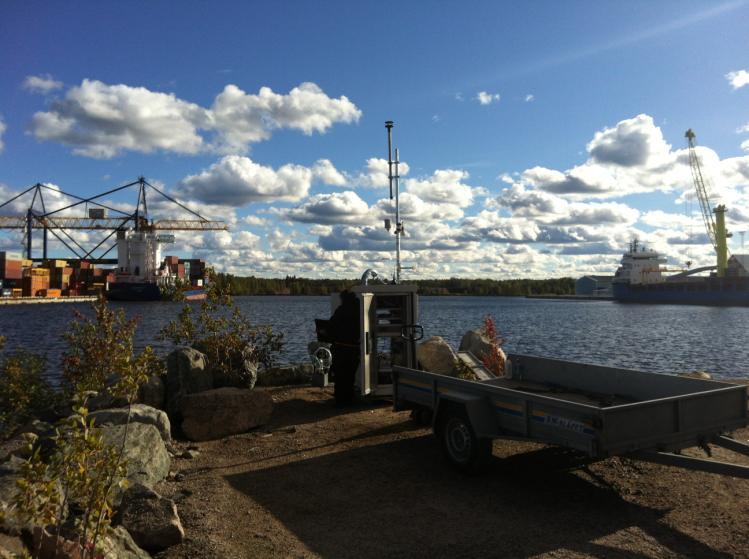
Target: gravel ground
(368,482)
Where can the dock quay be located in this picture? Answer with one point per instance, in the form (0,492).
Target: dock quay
(572,297)
(43,300)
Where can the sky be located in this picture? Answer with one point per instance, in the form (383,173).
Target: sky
(536,139)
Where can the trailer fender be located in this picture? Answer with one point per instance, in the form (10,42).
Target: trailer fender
(480,413)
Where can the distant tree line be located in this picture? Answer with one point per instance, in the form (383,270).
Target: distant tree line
(292,285)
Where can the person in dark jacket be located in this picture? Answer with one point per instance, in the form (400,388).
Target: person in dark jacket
(345,331)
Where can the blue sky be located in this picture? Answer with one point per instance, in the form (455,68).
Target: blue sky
(539,136)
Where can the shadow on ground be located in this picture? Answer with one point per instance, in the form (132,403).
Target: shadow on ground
(400,499)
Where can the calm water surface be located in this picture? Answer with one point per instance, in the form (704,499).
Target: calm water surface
(659,338)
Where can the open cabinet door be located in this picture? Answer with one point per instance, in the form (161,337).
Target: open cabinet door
(367,374)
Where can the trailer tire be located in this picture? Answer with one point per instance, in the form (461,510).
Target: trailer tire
(465,452)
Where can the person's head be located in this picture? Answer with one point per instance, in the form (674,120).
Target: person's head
(348,298)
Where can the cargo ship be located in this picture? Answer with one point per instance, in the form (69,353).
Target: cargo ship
(142,274)
(641,279)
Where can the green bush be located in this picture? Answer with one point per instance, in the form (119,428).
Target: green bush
(24,393)
(226,337)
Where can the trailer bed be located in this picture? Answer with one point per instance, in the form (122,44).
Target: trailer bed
(600,411)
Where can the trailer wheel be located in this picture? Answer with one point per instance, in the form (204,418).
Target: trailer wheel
(463,449)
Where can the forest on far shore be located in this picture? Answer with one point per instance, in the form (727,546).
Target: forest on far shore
(292,285)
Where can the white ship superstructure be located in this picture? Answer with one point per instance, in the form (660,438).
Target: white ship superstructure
(640,266)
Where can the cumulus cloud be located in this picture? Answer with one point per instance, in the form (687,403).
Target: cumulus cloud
(486,98)
(100,120)
(236,181)
(445,186)
(324,171)
(738,79)
(413,208)
(631,142)
(745,145)
(529,97)
(243,118)
(330,209)
(41,84)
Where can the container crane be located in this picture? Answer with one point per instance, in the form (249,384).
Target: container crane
(715,227)
(59,224)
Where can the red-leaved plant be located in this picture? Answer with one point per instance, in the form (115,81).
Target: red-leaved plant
(494,358)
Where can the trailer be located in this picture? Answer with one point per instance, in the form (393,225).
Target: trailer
(598,411)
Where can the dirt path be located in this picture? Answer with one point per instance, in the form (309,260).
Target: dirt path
(368,482)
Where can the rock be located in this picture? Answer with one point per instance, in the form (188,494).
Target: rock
(150,519)
(190,454)
(147,459)
(11,546)
(697,374)
(287,375)
(153,392)
(479,345)
(10,471)
(186,374)
(47,545)
(139,413)
(120,545)
(436,356)
(224,411)
(245,377)
(18,446)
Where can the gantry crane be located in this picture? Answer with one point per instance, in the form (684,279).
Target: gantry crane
(59,223)
(716,227)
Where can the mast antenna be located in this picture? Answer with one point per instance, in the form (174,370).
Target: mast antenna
(393,179)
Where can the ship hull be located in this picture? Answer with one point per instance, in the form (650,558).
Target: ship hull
(133,291)
(703,291)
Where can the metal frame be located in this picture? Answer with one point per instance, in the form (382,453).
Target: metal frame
(51,221)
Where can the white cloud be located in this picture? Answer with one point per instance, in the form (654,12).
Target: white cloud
(738,79)
(41,84)
(529,97)
(255,220)
(3,127)
(486,98)
(243,118)
(324,171)
(331,209)
(745,145)
(413,208)
(100,120)
(236,181)
(445,186)
(742,129)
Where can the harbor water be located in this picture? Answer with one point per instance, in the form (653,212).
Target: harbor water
(657,338)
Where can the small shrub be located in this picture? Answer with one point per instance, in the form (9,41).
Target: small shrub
(24,392)
(224,334)
(82,471)
(100,352)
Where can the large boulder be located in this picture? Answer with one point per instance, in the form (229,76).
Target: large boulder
(151,519)
(480,346)
(224,411)
(153,392)
(436,356)
(139,413)
(147,458)
(186,374)
(120,545)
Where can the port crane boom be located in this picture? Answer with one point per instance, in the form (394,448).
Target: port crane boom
(58,222)
(715,226)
